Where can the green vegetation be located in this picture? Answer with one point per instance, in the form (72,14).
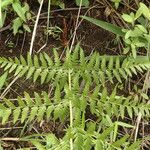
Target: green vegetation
(67,78)
(137,34)
(87,96)
(22,14)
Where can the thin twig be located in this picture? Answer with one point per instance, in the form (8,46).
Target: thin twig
(81,21)
(8,87)
(35,27)
(24,37)
(9,139)
(138,120)
(48,24)
(5,28)
(76,27)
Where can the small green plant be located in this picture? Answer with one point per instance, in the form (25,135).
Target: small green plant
(58,3)
(61,4)
(89,139)
(82,2)
(54,32)
(116,3)
(21,11)
(137,35)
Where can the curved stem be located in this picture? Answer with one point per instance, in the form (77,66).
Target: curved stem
(35,27)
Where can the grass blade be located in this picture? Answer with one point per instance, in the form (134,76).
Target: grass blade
(105,25)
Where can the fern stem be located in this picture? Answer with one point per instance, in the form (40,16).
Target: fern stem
(71,111)
(71,125)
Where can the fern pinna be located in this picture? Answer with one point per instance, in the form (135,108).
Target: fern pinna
(78,79)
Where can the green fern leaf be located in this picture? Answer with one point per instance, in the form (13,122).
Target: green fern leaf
(119,142)
(16,114)
(36,61)
(21,73)
(56,58)
(99,145)
(49,60)
(24,114)
(23,61)
(43,61)
(38,145)
(18,70)
(87,144)
(28,99)
(3,79)
(6,114)
(33,113)
(9,103)
(44,75)
(49,111)
(29,60)
(46,98)
(20,102)
(41,112)
(38,100)
(130,112)
(37,74)
(30,72)
(116,74)
(57,112)
(13,67)
(135,145)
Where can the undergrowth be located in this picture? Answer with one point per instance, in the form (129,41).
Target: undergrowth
(79,88)
(85,92)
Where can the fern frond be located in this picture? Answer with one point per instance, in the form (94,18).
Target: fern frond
(91,68)
(27,108)
(119,105)
(42,107)
(85,140)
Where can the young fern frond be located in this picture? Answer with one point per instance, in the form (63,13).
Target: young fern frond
(101,103)
(121,106)
(27,108)
(93,68)
(42,107)
(86,140)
